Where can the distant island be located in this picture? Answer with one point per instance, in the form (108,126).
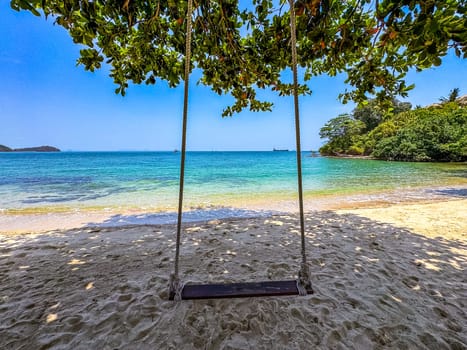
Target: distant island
(29,149)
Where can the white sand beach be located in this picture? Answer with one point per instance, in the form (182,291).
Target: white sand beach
(392,277)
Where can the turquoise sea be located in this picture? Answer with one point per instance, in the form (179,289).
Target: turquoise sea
(37,182)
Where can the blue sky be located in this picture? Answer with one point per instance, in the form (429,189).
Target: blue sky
(45,99)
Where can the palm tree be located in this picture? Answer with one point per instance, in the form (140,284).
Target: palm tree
(452,97)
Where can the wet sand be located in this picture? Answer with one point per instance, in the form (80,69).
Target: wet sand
(43,219)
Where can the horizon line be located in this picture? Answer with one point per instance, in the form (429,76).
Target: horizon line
(178,151)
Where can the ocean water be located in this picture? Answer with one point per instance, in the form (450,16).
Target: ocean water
(44,182)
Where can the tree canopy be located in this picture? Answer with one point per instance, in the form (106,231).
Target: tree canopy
(426,134)
(240,50)
(340,132)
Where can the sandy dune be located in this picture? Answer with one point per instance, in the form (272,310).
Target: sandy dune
(377,285)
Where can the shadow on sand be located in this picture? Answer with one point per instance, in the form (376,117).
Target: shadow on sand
(196,215)
(452,192)
(376,286)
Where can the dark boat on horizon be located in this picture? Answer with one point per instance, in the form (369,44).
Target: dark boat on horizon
(279,150)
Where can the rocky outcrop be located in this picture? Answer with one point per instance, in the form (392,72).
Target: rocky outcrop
(462,101)
(29,149)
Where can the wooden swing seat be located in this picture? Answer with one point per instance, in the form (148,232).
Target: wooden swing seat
(239,290)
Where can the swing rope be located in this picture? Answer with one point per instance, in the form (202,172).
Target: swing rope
(304,273)
(303,282)
(175,284)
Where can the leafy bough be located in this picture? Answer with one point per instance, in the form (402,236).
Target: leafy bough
(242,50)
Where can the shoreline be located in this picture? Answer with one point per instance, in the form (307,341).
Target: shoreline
(24,221)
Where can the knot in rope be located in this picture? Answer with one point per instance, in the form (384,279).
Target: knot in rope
(176,287)
(303,281)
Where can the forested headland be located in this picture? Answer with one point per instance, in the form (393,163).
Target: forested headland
(397,132)
(4,148)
